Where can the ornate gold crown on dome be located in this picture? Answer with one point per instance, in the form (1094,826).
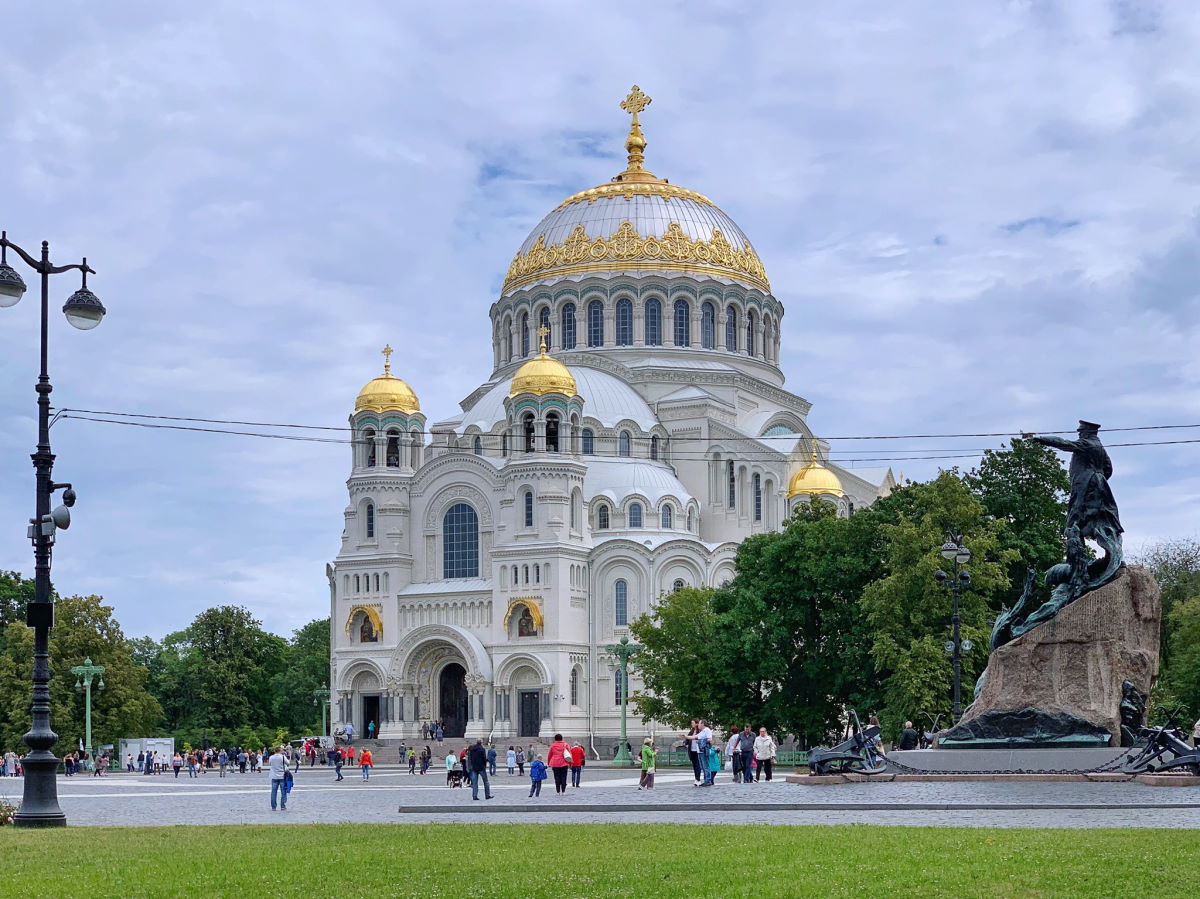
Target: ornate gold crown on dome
(543,374)
(814,479)
(387,393)
(689,233)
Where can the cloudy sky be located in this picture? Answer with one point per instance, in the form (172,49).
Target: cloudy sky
(980,217)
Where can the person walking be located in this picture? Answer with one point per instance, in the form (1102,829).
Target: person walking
(223,761)
(693,749)
(746,742)
(520,761)
(558,760)
(714,764)
(703,740)
(366,761)
(764,754)
(537,773)
(370,730)
(909,738)
(510,759)
(477,761)
(733,753)
(412,761)
(439,733)
(277,764)
(349,734)
(648,755)
(491,756)
(337,763)
(578,757)
(177,763)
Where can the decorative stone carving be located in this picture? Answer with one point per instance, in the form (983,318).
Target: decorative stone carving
(1075,664)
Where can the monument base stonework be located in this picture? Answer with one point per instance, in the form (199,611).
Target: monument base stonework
(1062,682)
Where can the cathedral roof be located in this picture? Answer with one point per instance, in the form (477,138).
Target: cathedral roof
(814,479)
(387,393)
(620,478)
(543,374)
(637,221)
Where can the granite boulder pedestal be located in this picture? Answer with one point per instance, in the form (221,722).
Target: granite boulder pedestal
(1062,683)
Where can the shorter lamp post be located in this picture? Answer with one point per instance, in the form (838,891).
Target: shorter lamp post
(954,551)
(623,652)
(83,683)
(321,698)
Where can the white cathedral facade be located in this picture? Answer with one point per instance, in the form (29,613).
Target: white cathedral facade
(633,431)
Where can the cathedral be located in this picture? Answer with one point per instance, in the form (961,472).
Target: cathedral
(633,431)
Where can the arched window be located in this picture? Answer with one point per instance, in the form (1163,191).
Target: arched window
(667,518)
(602,518)
(357,584)
(369,439)
(623,443)
(528,423)
(504,444)
(568,326)
(393,448)
(544,322)
(528,500)
(574,510)
(370,521)
(654,447)
(708,326)
(621,603)
(757,498)
(731,484)
(653,322)
(691,521)
(678,585)
(595,323)
(750,333)
(504,576)
(376,583)
(635,515)
(619,693)
(516,576)
(524,333)
(537,574)
(575,686)
(731,329)
(683,325)
(460,542)
(624,322)
(478,445)
(525,572)
(552,433)
(589,442)
(850,507)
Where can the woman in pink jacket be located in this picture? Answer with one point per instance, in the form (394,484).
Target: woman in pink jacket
(558,758)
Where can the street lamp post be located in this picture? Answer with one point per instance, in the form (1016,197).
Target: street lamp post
(954,551)
(623,652)
(83,682)
(321,698)
(39,801)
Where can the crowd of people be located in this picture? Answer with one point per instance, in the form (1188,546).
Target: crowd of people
(751,755)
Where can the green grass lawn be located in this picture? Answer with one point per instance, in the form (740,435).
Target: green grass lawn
(470,860)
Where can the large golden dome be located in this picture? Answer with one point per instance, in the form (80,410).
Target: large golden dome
(543,374)
(387,393)
(814,479)
(638,221)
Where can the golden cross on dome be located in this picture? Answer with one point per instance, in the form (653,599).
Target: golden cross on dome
(635,102)
(542,331)
(635,144)
(387,359)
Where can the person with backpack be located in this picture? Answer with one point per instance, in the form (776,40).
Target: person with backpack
(537,773)
(278,765)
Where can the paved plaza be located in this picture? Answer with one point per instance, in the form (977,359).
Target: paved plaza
(394,796)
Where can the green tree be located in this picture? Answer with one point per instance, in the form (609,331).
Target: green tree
(306,668)
(1180,681)
(909,612)
(84,627)
(15,593)
(1176,566)
(217,673)
(1024,486)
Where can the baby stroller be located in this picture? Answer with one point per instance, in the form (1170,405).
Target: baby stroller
(455,778)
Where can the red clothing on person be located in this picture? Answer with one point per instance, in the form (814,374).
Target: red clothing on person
(577,756)
(557,756)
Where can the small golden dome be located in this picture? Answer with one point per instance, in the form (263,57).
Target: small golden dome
(543,374)
(387,393)
(814,479)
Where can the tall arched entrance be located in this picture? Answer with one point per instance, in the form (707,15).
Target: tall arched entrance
(452,699)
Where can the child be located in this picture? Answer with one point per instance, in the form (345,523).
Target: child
(714,765)
(537,773)
(648,754)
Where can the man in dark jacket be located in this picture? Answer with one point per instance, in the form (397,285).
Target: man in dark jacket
(908,739)
(477,764)
(746,751)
